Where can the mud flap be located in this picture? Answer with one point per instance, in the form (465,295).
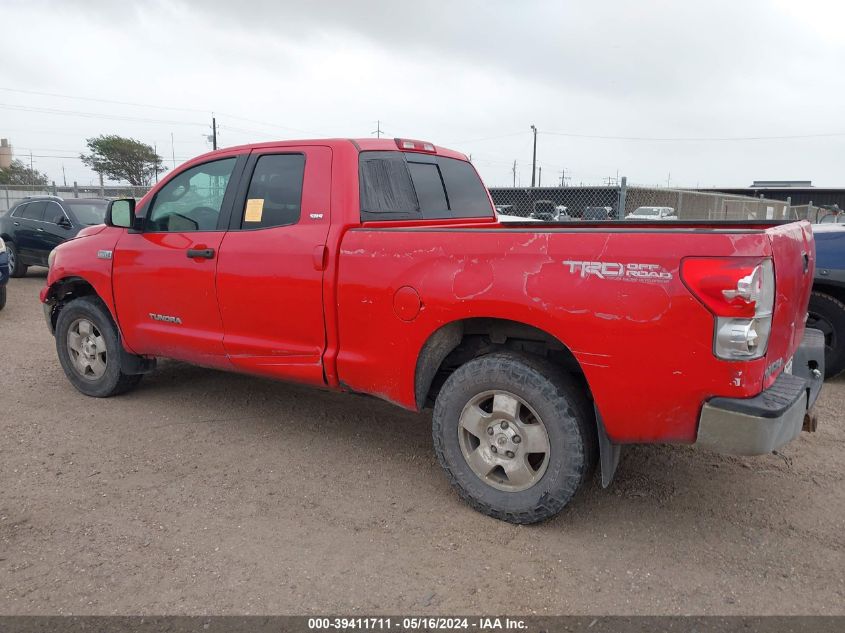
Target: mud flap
(608,452)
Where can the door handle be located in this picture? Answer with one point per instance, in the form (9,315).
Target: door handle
(201,253)
(40,230)
(17,223)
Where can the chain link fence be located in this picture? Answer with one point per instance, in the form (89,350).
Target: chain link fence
(620,202)
(550,204)
(10,195)
(826,214)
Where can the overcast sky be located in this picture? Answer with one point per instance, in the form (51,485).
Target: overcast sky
(470,75)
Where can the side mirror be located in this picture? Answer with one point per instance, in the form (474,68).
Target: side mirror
(65,223)
(121,213)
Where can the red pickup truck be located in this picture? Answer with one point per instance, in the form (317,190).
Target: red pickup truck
(380,267)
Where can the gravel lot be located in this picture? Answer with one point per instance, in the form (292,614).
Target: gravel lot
(210,492)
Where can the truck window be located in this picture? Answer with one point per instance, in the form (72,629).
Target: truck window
(275,192)
(386,189)
(191,201)
(467,194)
(410,185)
(429,188)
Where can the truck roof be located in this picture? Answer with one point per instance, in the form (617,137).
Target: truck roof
(362,144)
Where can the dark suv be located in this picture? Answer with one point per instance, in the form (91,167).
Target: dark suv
(35,226)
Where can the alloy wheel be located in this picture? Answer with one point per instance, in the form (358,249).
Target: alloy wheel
(504,441)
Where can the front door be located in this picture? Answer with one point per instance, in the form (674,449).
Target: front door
(163,277)
(270,271)
(56,229)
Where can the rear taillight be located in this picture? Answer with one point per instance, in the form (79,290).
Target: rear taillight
(740,292)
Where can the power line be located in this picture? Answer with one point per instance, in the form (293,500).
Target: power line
(697,138)
(150,105)
(486,138)
(94,115)
(127,103)
(271,125)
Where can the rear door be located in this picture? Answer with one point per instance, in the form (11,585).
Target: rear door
(163,277)
(27,221)
(270,271)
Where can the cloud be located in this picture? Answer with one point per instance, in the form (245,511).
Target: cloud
(453,72)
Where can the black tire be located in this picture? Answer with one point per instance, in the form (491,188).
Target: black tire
(827,314)
(2,296)
(16,267)
(565,413)
(112,381)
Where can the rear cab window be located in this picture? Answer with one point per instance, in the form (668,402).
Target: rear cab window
(399,185)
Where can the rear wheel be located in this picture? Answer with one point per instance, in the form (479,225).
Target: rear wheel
(515,435)
(827,314)
(2,297)
(88,346)
(16,267)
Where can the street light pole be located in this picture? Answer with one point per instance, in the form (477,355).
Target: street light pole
(534,159)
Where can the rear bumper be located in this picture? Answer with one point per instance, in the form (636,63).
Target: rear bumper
(775,417)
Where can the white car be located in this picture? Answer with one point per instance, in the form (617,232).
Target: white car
(652,213)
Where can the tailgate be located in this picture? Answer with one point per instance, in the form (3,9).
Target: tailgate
(794,258)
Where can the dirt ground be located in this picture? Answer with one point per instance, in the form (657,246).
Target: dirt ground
(205,492)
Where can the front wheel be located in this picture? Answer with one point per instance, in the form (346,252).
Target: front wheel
(515,435)
(2,297)
(88,346)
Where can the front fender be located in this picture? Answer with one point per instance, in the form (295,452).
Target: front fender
(83,266)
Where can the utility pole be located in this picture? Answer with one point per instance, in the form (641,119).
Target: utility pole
(31,172)
(514,173)
(172,151)
(377,131)
(534,159)
(64,177)
(562,177)
(540,178)
(213,131)
(155,151)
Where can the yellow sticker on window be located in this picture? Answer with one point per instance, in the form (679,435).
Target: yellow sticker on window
(254,210)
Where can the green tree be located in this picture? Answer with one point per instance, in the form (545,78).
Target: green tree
(19,174)
(120,158)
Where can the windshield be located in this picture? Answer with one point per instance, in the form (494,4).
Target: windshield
(88,212)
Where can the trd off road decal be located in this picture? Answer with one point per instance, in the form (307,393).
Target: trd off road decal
(634,271)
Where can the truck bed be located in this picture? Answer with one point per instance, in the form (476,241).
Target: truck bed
(633,335)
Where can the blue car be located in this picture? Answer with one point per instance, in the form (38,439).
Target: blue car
(827,303)
(4,272)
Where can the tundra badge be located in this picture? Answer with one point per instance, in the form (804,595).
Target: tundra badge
(165,317)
